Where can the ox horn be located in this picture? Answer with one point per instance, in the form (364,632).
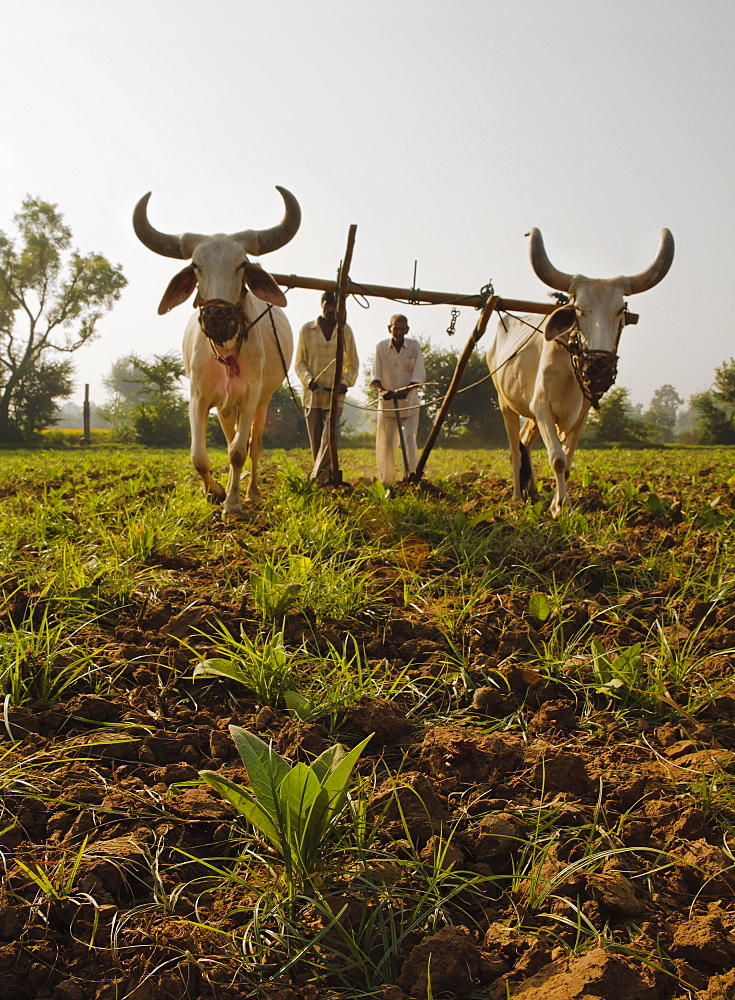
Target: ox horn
(543,267)
(163,243)
(260,241)
(632,284)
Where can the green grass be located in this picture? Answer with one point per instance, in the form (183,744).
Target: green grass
(624,605)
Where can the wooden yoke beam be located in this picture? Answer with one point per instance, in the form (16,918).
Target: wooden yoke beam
(415,296)
(411,295)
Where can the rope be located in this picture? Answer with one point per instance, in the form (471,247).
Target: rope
(296,402)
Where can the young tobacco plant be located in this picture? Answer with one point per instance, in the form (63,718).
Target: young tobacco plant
(296,807)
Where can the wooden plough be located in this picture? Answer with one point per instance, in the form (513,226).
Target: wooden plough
(344,286)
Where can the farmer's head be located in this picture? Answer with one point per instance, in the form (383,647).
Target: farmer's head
(329,304)
(398,328)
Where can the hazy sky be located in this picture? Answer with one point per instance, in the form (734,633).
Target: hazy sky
(444,131)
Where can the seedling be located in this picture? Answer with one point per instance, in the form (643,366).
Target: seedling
(296,807)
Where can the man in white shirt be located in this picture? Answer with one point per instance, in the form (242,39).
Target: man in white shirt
(398,370)
(315,357)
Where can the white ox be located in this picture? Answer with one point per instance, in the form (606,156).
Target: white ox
(553,374)
(237,348)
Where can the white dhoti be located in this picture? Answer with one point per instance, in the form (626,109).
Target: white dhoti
(387,439)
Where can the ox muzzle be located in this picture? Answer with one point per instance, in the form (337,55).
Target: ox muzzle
(595,371)
(222,321)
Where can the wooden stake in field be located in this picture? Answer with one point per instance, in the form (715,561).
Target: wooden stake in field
(86,418)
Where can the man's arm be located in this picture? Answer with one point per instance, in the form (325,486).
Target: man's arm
(377,374)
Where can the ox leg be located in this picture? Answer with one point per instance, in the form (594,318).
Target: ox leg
(238,453)
(557,456)
(572,440)
(198,414)
(529,434)
(512,428)
(256,447)
(228,425)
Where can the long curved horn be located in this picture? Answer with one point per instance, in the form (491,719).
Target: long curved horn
(163,243)
(260,241)
(632,284)
(543,267)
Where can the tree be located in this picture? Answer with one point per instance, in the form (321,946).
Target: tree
(662,412)
(725,383)
(616,422)
(126,383)
(714,421)
(51,298)
(34,403)
(715,409)
(146,404)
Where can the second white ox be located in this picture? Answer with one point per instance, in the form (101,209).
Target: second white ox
(552,372)
(237,346)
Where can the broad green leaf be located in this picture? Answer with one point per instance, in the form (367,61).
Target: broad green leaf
(336,782)
(300,706)
(266,769)
(304,805)
(326,762)
(655,505)
(299,789)
(539,607)
(472,522)
(600,662)
(314,830)
(460,521)
(241,799)
(218,667)
(628,661)
(302,567)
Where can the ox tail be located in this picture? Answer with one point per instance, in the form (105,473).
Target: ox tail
(526,470)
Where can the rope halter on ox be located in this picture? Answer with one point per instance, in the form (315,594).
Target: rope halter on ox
(595,371)
(223,321)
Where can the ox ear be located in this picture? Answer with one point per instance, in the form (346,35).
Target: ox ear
(179,289)
(262,284)
(561,321)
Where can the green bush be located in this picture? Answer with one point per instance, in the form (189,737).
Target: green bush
(162,422)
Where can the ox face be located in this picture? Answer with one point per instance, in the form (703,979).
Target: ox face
(222,272)
(596,309)
(252,366)
(219,266)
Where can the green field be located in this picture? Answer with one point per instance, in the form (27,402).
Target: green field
(550,775)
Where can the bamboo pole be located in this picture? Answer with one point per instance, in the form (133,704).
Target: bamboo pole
(342,283)
(487,310)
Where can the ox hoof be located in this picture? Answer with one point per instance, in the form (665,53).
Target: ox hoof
(232,513)
(215,493)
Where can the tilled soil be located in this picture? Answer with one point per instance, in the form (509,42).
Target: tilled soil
(103,792)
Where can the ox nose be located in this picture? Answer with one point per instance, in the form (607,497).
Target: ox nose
(221,321)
